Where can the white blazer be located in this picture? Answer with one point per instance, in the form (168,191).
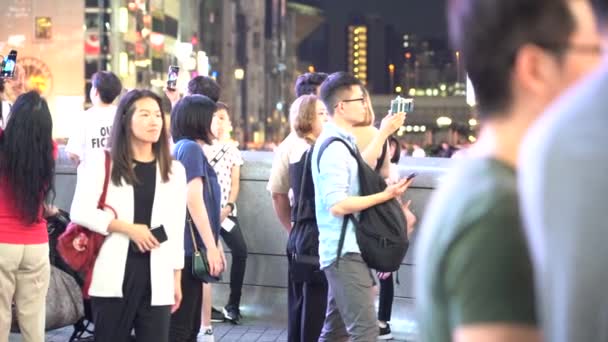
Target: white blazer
(169,209)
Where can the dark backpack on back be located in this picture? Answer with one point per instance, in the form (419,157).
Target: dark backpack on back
(381,229)
(303,240)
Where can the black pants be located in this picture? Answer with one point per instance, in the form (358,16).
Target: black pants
(114,318)
(186,321)
(238,248)
(307,303)
(385,302)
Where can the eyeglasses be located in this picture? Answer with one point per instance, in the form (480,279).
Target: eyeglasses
(362,99)
(590,49)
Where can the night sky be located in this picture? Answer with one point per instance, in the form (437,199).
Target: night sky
(423,17)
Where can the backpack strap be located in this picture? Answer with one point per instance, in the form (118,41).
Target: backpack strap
(327,142)
(348,217)
(308,154)
(380,160)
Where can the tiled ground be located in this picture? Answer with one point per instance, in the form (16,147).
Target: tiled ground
(248,332)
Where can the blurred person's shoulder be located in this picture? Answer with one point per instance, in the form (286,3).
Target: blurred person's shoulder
(573,125)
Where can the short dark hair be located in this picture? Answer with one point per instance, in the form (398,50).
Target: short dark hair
(489,34)
(121,137)
(307,84)
(600,8)
(333,88)
(191,118)
(107,84)
(203,85)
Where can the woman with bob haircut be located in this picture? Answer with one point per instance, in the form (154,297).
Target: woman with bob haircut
(191,120)
(27,170)
(307,288)
(136,277)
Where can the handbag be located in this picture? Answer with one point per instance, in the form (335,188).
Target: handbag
(79,246)
(200,264)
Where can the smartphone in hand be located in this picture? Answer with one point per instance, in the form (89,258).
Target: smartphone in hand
(172,77)
(410,176)
(8,65)
(400,104)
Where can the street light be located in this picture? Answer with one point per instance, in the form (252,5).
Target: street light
(239,74)
(444,121)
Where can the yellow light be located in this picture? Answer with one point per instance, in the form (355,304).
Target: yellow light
(423,128)
(412,92)
(311,68)
(472,139)
(391,67)
(408,128)
(398,89)
(356,47)
(444,121)
(123,64)
(473,122)
(356,69)
(356,62)
(356,39)
(123,20)
(356,54)
(239,74)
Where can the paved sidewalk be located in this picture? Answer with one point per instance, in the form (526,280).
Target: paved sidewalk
(223,332)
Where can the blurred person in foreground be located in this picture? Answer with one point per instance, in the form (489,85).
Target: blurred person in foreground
(562,182)
(27,170)
(477,283)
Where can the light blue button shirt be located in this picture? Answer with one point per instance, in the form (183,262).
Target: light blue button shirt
(336,178)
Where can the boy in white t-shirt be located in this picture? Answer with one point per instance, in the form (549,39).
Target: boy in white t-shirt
(93,130)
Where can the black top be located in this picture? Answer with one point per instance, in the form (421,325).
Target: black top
(298,170)
(143,192)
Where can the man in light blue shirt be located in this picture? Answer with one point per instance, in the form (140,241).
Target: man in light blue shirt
(350,307)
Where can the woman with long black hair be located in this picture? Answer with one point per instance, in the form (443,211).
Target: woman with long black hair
(137,274)
(27,168)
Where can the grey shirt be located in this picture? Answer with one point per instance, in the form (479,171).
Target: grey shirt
(563,184)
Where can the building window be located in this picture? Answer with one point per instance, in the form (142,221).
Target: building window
(44,28)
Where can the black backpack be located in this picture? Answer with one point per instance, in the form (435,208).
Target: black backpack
(303,240)
(381,229)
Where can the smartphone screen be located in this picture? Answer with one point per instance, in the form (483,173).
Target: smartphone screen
(172,79)
(8,65)
(411,175)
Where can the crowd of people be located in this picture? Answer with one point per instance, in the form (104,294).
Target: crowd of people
(510,247)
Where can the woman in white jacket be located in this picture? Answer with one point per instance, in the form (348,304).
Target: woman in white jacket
(136,277)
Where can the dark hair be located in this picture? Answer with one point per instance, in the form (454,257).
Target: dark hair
(393,141)
(122,135)
(489,34)
(1,85)
(222,105)
(600,8)
(334,87)
(203,85)
(27,165)
(191,118)
(107,84)
(307,84)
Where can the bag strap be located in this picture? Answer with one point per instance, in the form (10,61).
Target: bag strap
(189,219)
(101,204)
(219,155)
(380,160)
(327,142)
(348,217)
(302,183)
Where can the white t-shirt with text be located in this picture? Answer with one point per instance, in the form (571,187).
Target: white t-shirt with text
(92,131)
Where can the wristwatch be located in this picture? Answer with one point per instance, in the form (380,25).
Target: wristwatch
(231,205)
